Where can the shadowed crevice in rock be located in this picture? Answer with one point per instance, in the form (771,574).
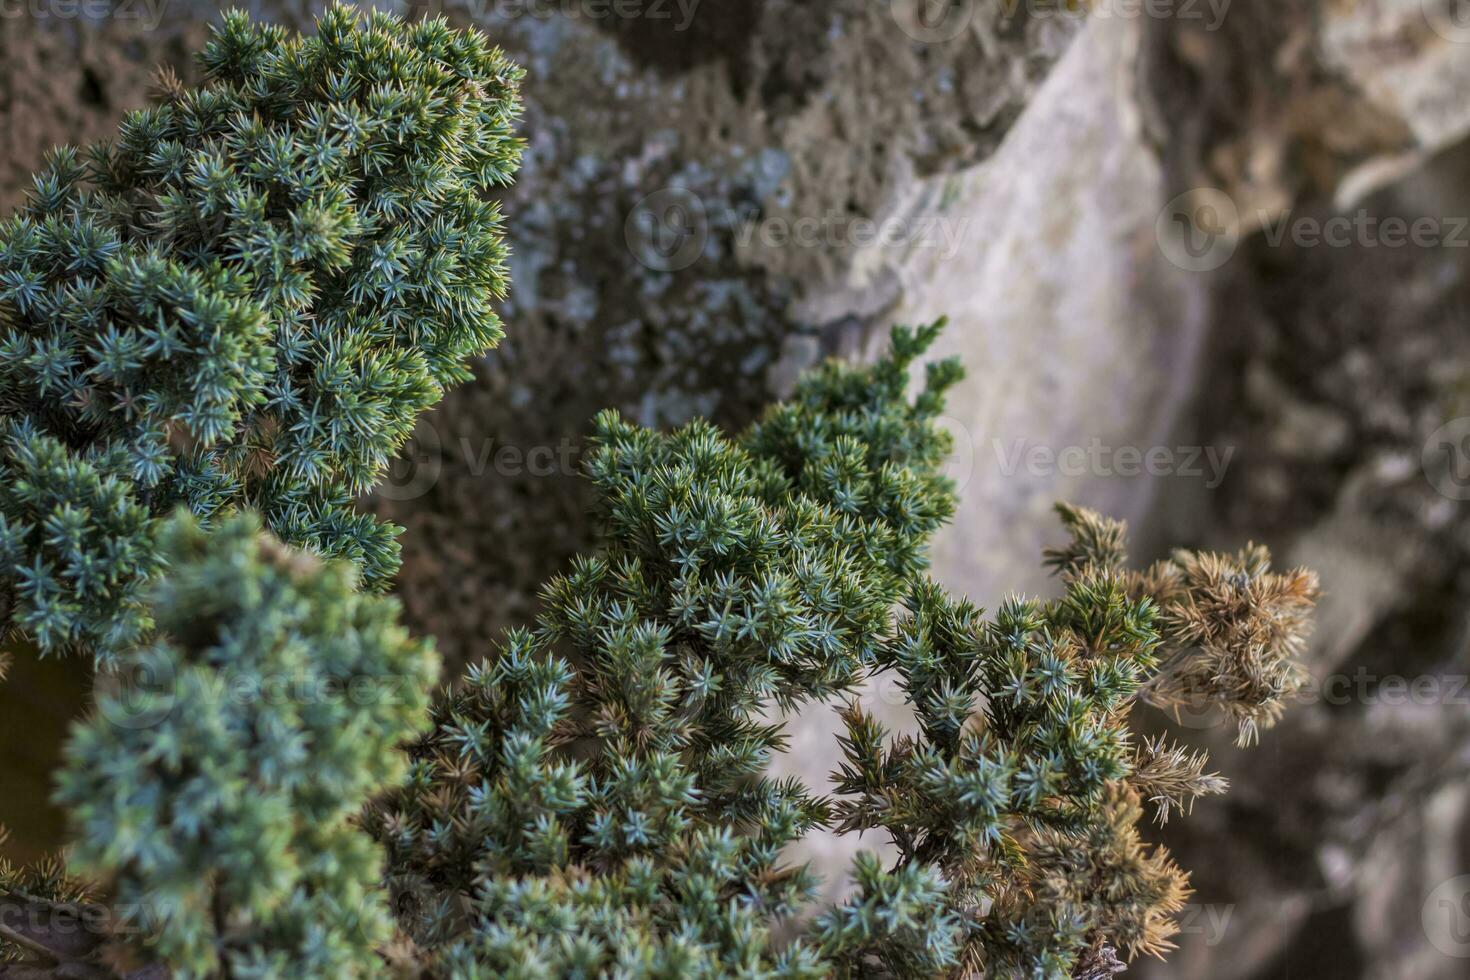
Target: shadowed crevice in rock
(676,36)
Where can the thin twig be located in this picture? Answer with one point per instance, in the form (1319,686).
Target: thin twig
(27,943)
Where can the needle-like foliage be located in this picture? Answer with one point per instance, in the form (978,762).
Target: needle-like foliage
(238,309)
(244,300)
(1024,784)
(44,884)
(217,792)
(595,797)
(594,800)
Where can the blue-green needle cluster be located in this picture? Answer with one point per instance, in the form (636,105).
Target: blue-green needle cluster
(246,299)
(595,799)
(216,788)
(216,330)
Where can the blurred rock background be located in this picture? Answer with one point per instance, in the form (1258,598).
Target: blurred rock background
(1206,261)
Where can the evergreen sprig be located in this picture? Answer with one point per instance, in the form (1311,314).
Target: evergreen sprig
(594,799)
(235,312)
(596,793)
(1024,784)
(46,884)
(217,792)
(245,300)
